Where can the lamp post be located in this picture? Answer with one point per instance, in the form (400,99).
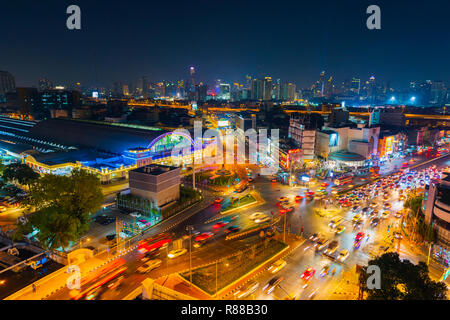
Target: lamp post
(190,228)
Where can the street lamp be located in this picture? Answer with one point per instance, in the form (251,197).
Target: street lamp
(190,228)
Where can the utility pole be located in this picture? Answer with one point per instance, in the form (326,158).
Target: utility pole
(284,229)
(190,228)
(216,276)
(429,252)
(117,234)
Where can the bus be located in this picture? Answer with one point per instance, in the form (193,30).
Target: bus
(154,243)
(343,180)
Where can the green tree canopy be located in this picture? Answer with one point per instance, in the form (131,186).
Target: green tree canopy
(403,280)
(63,205)
(21,173)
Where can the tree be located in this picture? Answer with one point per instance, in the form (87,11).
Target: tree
(20,173)
(63,205)
(56,229)
(402,280)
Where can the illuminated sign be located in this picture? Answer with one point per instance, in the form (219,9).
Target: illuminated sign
(95,94)
(294,151)
(222,123)
(333,142)
(389,145)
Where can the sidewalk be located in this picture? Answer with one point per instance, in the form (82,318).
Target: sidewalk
(54,282)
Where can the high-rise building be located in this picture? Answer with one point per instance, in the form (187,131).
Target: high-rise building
(59,99)
(355,86)
(328,88)
(287,91)
(45,84)
(7,84)
(224,91)
(28,99)
(201,92)
(267,95)
(125,90)
(257,89)
(438,93)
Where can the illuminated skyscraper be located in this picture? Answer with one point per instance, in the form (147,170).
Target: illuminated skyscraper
(267,95)
(356,85)
(257,89)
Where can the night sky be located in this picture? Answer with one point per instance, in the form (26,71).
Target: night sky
(292,40)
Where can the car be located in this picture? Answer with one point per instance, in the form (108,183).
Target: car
(149,266)
(340,229)
(315,237)
(272,284)
(347,204)
(357,244)
(232,229)
(135,215)
(277,266)
(274,180)
(335,222)
(218,200)
(321,243)
(325,184)
(256,215)
(116,283)
(282,199)
(397,235)
(356,217)
(374,222)
(263,219)
(246,290)
(298,198)
(332,247)
(176,253)
(398,215)
(94,293)
(219,225)
(343,255)
(203,236)
(387,205)
(308,274)
(359,236)
(385,214)
(324,271)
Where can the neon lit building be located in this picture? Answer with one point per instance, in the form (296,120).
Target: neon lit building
(109,150)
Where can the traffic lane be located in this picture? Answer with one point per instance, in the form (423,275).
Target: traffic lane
(292,284)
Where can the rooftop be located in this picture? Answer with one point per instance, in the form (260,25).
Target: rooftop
(154,169)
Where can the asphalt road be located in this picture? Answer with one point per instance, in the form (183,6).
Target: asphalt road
(302,258)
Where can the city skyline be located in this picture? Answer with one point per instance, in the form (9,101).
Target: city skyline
(330,37)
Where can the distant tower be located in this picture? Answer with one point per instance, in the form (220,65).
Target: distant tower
(322,83)
(192,73)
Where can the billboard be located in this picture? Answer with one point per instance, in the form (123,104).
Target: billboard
(222,123)
(389,144)
(333,142)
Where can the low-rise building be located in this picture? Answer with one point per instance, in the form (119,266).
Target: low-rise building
(158,183)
